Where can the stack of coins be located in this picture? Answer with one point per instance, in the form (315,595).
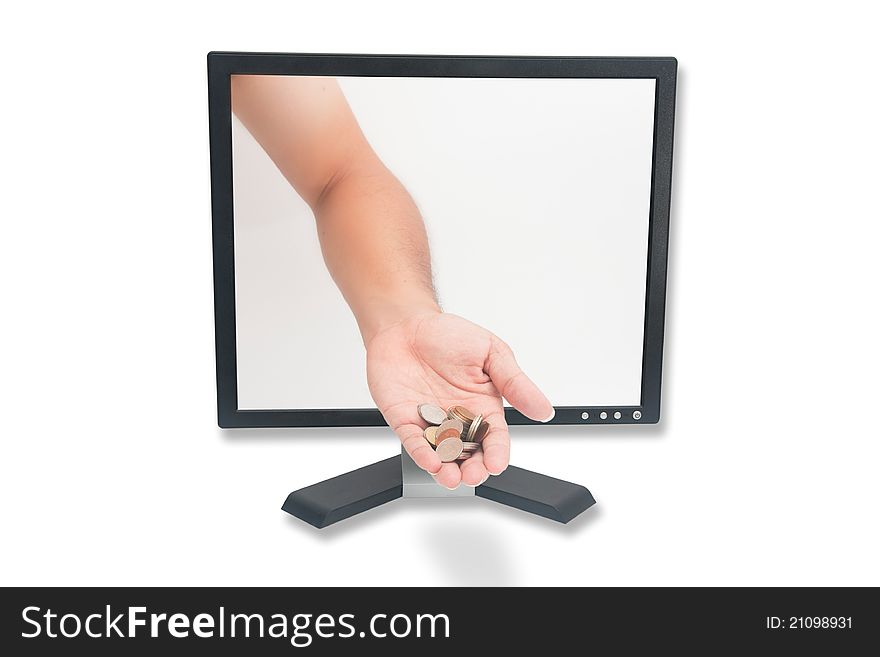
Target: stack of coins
(456,433)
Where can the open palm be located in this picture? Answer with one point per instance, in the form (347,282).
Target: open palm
(444,359)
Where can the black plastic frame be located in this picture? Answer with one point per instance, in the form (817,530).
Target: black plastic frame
(221,65)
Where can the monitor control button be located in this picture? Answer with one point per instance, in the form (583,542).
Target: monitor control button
(617,415)
(585,416)
(603,415)
(637,415)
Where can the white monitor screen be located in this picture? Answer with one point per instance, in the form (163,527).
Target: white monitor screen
(535,195)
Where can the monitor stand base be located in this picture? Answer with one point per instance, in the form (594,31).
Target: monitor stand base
(360,490)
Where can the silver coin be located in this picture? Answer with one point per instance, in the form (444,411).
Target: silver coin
(471,447)
(432,414)
(464,456)
(473,428)
(449,449)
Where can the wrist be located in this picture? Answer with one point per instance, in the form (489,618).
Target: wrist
(380,314)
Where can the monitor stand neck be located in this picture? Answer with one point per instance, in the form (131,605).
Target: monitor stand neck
(360,490)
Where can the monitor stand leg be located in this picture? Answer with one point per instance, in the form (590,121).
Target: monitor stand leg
(348,494)
(360,490)
(537,493)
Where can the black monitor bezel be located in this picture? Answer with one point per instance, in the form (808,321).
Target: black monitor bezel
(222,65)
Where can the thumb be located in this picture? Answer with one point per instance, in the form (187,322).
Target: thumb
(514,385)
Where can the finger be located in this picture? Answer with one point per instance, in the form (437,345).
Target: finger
(514,385)
(449,476)
(418,448)
(496,445)
(473,472)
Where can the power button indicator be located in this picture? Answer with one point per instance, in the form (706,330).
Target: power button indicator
(637,415)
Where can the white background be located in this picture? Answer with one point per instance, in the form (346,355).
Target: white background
(763,470)
(535,195)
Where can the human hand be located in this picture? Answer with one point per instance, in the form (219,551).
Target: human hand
(445,360)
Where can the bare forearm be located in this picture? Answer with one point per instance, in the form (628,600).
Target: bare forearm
(372,236)
(375,246)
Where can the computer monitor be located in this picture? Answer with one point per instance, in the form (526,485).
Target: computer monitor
(544,185)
